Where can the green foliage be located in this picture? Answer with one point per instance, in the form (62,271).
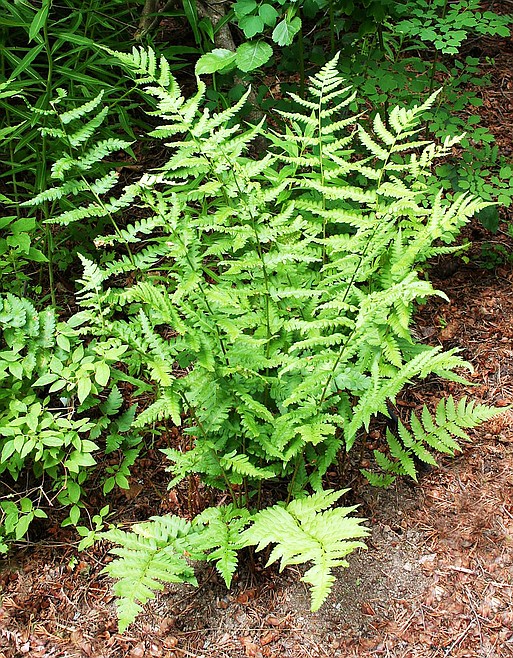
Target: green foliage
(305,530)
(81,157)
(288,283)
(160,550)
(269,307)
(17,250)
(43,49)
(447,25)
(154,552)
(219,534)
(428,433)
(49,381)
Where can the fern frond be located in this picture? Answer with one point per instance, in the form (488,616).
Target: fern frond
(82,110)
(86,131)
(218,533)
(429,433)
(154,553)
(303,532)
(168,405)
(99,151)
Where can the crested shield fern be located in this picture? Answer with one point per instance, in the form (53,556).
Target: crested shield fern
(271,300)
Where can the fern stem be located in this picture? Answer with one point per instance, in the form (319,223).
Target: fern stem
(349,337)
(258,246)
(293,479)
(235,498)
(301,47)
(43,168)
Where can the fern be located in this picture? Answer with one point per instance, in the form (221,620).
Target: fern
(81,176)
(429,433)
(268,303)
(219,535)
(305,530)
(154,552)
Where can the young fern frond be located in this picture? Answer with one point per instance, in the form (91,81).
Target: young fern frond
(153,553)
(305,530)
(219,535)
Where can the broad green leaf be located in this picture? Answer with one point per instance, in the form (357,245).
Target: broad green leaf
(217,60)
(102,373)
(83,389)
(251,26)
(268,14)
(284,33)
(244,7)
(253,54)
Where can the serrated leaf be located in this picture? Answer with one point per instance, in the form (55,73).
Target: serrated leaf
(253,54)
(218,59)
(251,26)
(284,33)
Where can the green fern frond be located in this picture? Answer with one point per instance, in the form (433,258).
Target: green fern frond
(219,534)
(92,156)
(154,553)
(168,405)
(82,110)
(87,130)
(303,532)
(240,467)
(430,433)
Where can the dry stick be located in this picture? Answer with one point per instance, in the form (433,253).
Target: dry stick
(460,638)
(150,18)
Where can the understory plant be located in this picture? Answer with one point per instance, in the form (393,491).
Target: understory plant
(60,408)
(269,303)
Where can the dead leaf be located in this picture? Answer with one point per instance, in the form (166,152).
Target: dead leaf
(133,491)
(367,609)
(269,637)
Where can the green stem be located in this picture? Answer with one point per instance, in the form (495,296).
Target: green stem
(42,175)
(301,46)
(349,337)
(236,499)
(332,27)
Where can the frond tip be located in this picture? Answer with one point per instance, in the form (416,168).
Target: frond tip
(305,530)
(428,433)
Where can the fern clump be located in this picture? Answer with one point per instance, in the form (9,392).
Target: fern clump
(271,300)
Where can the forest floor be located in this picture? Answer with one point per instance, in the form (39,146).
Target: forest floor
(436,580)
